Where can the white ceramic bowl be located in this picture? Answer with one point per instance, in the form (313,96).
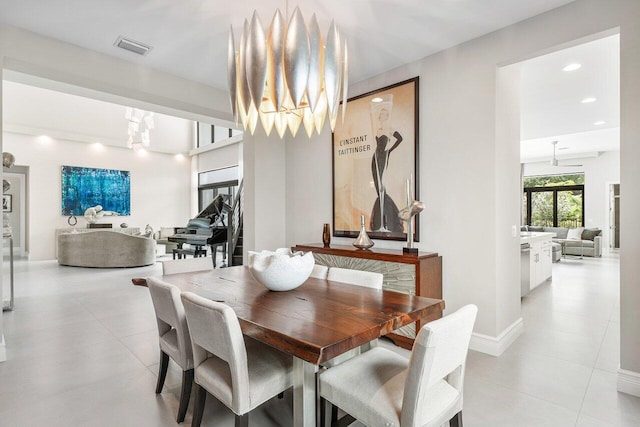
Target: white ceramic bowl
(281,270)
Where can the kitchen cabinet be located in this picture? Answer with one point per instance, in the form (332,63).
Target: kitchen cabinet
(539,260)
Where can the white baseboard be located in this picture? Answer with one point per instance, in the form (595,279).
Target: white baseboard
(629,382)
(495,346)
(3,349)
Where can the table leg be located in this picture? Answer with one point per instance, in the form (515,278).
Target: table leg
(304,393)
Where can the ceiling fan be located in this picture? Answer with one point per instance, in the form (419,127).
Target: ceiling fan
(554,161)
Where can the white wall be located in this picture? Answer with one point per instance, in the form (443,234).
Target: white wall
(158,183)
(218,158)
(463,143)
(599,173)
(264,171)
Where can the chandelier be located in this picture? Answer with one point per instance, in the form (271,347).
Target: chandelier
(287,75)
(140,123)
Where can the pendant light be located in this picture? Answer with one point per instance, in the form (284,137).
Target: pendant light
(288,75)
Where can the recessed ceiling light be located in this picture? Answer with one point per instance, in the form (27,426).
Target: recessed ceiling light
(588,100)
(376,100)
(44,139)
(572,67)
(599,123)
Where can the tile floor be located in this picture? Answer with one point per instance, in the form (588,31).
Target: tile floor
(83,352)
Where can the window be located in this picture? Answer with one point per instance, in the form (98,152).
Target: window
(554,200)
(208,134)
(219,181)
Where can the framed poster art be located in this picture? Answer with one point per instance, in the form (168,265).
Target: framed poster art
(375,152)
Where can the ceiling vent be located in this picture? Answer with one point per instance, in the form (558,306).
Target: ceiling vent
(132,46)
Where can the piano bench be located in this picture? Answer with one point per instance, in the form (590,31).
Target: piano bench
(195,252)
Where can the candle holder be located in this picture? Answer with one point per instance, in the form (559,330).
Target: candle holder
(363,241)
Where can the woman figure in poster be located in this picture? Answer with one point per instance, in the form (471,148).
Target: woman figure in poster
(384,216)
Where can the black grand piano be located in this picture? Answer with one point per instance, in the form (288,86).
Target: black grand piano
(208,228)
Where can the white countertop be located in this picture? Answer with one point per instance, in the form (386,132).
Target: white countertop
(535,236)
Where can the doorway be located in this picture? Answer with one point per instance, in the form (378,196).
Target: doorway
(15,210)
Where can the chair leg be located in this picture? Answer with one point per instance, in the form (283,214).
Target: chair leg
(185,394)
(198,409)
(456,421)
(162,373)
(326,413)
(242,420)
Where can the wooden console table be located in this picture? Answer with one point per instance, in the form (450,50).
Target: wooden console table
(412,274)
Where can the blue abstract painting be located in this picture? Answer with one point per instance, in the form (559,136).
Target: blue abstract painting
(83,188)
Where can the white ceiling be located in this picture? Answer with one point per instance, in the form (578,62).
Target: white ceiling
(189,37)
(36,111)
(551,107)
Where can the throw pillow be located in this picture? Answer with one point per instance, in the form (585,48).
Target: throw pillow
(590,233)
(535,228)
(575,233)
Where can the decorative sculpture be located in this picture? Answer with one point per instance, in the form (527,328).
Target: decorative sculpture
(406,214)
(92,215)
(8,160)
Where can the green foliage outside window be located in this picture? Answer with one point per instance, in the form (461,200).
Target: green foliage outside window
(553,180)
(569,202)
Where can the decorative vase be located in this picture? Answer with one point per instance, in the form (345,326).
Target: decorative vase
(363,241)
(326,235)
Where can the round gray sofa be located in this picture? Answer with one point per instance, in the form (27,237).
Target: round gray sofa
(105,249)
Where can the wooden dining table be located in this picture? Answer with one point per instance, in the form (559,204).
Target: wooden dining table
(314,323)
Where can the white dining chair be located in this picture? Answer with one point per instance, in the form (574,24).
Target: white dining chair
(174,339)
(368,279)
(240,372)
(425,390)
(186,265)
(320,271)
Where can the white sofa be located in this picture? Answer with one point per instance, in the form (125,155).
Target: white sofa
(105,249)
